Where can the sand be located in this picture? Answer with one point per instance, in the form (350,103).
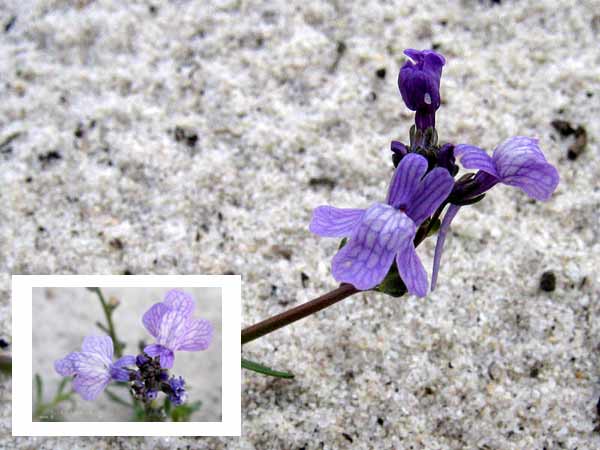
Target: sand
(202,134)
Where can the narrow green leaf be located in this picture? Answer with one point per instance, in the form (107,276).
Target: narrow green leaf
(115,398)
(39,389)
(259,368)
(103,328)
(61,386)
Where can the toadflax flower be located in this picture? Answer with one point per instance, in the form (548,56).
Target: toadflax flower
(92,368)
(518,161)
(174,328)
(386,231)
(419,85)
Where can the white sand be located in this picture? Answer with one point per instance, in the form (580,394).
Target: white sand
(273,104)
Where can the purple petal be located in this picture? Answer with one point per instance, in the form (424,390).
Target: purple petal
(411,270)
(64,366)
(127,360)
(172,327)
(334,222)
(537,180)
(520,162)
(166,356)
(117,372)
(180,301)
(365,260)
(89,364)
(197,336)
(153,317)
(472,157)
(406,179)
(518,144)
(100,345)
(439,246)
(432,191)
(89,387)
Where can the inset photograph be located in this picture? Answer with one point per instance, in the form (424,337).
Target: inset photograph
(127,354)
(123,354)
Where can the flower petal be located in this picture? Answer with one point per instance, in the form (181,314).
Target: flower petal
(518,145)
(89,387)
(89,364)
(153,317)
(411,270)
(334,222)
(365,260)
(439,245)
(172,327)
(520,162)
(537,180)
(166,356)
(100,345)
(406,179)
(432,191)
(472,157)
(197,336)
(180,301)
(117,372)
(64,366)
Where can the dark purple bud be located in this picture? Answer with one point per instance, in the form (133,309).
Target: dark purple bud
(419,84)
(399,150)
(445,159)
(141,359)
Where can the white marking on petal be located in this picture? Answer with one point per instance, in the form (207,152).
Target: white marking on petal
(427,98)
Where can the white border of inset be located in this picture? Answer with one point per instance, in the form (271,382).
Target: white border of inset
(22,423)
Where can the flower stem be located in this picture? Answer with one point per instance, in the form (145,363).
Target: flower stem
(299,312)
(109,322)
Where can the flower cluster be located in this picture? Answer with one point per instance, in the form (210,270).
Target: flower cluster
(151,377)
(382,238)
(174,328)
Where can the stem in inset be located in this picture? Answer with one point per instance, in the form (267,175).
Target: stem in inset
(109,322)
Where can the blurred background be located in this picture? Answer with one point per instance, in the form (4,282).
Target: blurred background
(63,317)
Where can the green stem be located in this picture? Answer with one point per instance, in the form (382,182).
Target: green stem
(110,325)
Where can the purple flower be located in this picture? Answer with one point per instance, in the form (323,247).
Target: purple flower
(385,232)
(176,390)
(174,328)
(518,161)
(419,84)
(92,368)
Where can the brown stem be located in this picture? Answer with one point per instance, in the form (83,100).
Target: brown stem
(299,312)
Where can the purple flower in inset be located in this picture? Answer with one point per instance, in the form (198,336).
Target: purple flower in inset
(518,161)
(385,232)
(419,84)
(174,328)
(92,368)
(176,390)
